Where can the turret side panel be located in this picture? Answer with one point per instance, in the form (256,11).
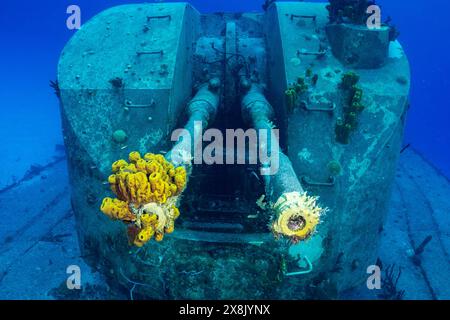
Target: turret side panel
(128,70)
(352,179)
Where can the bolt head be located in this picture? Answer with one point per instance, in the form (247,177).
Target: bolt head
(214,84)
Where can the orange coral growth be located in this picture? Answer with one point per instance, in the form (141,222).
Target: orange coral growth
(147,190)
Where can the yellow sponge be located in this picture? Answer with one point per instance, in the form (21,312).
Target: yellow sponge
(139,183)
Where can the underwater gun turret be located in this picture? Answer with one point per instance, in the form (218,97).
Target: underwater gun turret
(339,95)
(295,214)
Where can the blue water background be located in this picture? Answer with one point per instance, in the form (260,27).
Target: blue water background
(33,34)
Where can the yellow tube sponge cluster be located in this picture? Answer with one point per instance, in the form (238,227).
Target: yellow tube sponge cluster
(148,179)
(296,216)
(147,189)
(116,209)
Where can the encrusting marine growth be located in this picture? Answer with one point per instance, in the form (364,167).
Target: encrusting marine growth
(296,216)
(352,107)
(294,91)
(147,191)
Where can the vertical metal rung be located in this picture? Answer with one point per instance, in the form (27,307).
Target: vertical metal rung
(331,182)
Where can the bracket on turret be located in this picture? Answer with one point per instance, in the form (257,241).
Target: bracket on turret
(313,18)
(331,108)
(331,182)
